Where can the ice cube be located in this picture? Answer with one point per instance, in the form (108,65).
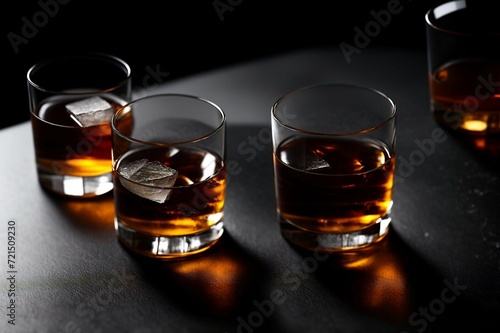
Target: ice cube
(148,179)
(315,162)
(90,111)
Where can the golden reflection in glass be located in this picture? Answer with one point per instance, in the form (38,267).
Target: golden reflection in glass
(375,280)
(488,146)
(96,213)
(475,125)
(214,281)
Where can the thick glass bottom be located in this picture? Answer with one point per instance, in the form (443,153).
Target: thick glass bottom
(329,242)
(168,247)
(75,186)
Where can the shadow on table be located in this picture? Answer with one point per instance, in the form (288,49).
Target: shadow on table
(91,215)
(485,148)
(217,285)
(387,280)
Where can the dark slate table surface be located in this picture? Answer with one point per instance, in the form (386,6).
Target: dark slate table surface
(437,271)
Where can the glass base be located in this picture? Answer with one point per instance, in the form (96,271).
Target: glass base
(324,242)
(168,247)
(76,186)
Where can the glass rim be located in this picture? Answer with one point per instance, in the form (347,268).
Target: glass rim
(431,19)
(106,56)
(391,116)
(126,108)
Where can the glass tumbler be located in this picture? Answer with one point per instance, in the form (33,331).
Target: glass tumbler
(334,162)
(169,174)
(72,99)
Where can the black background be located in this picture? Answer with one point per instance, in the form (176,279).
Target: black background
(187,37)
(445,219)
